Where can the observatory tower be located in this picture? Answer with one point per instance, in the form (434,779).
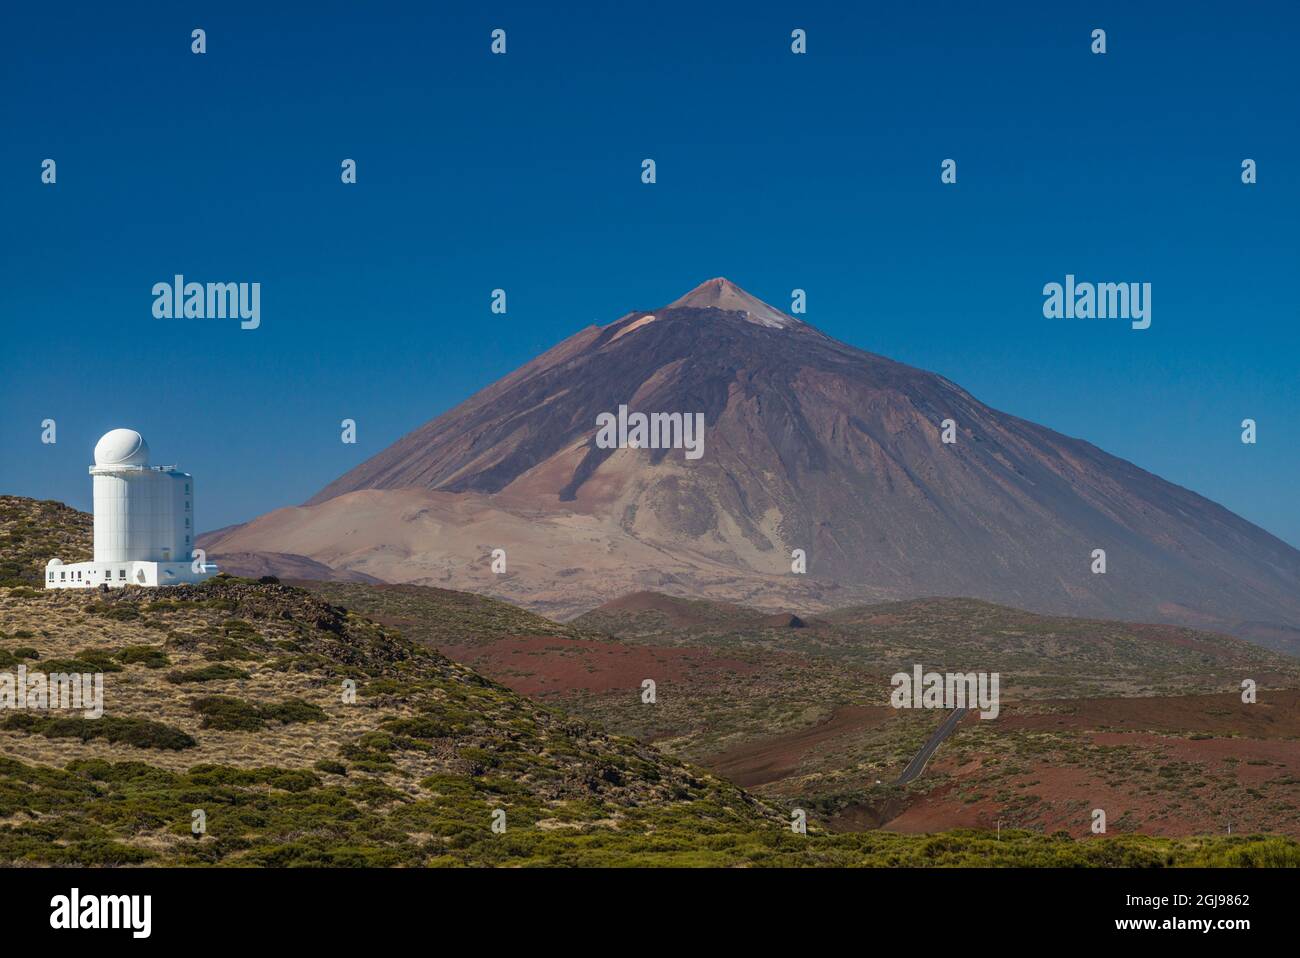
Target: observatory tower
(144,522)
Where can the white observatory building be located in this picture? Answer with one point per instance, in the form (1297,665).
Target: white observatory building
(144,522)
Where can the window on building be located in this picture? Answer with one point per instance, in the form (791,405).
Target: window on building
(121,573)
(50,576)
(63,576)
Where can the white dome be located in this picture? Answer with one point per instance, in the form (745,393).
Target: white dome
(122,447)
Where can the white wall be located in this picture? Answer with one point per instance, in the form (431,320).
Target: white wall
(140,514)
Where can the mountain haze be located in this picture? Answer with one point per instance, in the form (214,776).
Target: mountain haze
(809,444)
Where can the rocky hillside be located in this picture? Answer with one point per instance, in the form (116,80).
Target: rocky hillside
(231,697)
(33,531)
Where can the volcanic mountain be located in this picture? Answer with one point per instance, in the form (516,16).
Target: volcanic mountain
(809,444)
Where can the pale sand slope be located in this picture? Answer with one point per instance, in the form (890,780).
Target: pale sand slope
(561,561)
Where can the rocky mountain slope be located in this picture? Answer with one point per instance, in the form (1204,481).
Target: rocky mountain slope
(809,444)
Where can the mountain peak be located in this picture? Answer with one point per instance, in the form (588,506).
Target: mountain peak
(722,293)
(808,444)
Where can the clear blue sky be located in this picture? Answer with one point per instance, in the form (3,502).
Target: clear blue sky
(523,172)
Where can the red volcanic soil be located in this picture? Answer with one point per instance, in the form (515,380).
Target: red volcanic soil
(772,759)
(938,811)
(1228,762)
(781,620)
(1278,753)
(1275,715)
(540,664)
(1248,747)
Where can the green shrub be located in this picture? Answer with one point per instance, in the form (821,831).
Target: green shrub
(101,657)
(207,673)
(150,656)
(119,612)
(137,732)
(293,710)
(229,714)
(78,665)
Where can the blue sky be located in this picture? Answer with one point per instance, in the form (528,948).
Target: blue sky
(523,172)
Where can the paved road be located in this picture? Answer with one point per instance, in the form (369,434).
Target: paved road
(917,765)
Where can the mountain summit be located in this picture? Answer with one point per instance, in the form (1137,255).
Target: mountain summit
(723,294)
(810,445)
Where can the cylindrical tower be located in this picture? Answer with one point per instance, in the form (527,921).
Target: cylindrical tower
(136,505)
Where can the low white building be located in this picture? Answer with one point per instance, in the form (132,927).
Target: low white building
(144,522)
